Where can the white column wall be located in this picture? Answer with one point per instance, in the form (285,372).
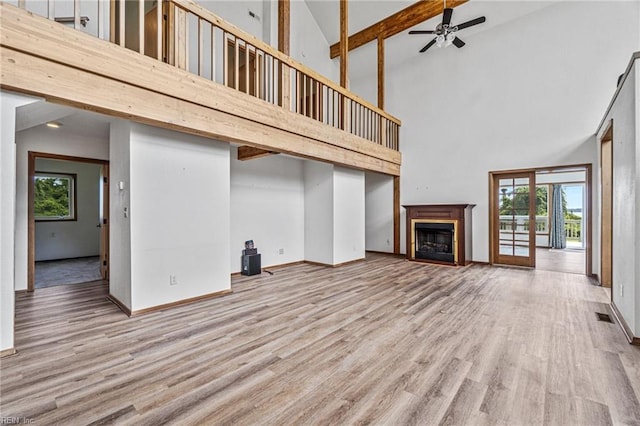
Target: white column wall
(318,212)
(119,200)
(8,104)
(379,212)
(348,215)
(180,215)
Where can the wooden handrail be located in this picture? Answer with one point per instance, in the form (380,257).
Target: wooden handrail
(214,19)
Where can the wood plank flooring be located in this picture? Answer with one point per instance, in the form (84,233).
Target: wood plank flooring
(383,341)
(561,260)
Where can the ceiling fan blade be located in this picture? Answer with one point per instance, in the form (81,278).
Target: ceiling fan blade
(431,43)
(458,43)
(472,22)
(446,16)
(422,32)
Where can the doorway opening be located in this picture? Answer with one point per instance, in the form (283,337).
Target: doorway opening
(67,225)
(542,218)
(560,220)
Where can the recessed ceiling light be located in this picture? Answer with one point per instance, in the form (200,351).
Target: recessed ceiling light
(54,124)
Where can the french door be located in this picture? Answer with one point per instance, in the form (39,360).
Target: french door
(513,218)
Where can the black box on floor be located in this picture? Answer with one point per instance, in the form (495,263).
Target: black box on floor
(251,264)
(247,252)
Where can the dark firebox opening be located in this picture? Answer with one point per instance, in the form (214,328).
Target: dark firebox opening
(434,241)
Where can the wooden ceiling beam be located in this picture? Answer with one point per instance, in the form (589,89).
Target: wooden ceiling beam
(396,23)
(251,153)
(344,43)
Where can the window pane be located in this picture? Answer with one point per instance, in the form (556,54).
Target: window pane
(53,196)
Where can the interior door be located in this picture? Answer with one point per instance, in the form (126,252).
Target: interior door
(104,222)
(513,215)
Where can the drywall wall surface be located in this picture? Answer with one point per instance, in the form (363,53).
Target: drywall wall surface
(119,203)
(636,294)
(515,96)
(378,212)
(180,215)
(72,238)
(308,44)
(8,103)
(318,212)
(625,233)
(237,13)
(267,206)
(66,140)
(349,215)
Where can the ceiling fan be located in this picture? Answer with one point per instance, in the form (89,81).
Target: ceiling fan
(446,34)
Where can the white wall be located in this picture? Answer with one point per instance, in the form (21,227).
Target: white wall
(516,96)
(379,212)
(119,200)
(73,238)
(237,13)
(267,206)
(308,44)
(63,141)
(626,196)
(318,212)
(180,215)
(348,213)
(8,104)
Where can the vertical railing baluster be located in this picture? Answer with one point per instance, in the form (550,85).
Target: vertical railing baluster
(121,22)
(159,30)
(51,12)
(236,64)
(141,26)
(200,48)
(76,14)
(247,88)
(225,59)
(213,53)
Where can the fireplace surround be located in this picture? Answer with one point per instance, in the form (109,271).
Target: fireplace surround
(439,233)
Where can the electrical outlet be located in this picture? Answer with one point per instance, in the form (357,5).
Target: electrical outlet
(173,280)
(281,251)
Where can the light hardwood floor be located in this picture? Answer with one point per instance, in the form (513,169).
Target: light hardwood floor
(563,260)
(384,341)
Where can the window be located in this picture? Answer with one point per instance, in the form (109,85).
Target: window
(54,196)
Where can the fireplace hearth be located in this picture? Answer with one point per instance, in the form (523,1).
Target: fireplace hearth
(439,233)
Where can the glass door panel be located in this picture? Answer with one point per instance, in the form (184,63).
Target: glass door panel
(514,219)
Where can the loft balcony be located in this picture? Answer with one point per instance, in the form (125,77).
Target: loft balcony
(177,65)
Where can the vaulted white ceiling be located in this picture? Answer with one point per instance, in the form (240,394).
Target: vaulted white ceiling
(403,46)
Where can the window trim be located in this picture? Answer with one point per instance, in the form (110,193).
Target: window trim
(73,208)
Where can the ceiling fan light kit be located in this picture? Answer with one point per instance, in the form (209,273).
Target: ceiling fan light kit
(446,34)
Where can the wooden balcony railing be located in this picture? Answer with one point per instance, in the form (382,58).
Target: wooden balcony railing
(521,224)
(193,38)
